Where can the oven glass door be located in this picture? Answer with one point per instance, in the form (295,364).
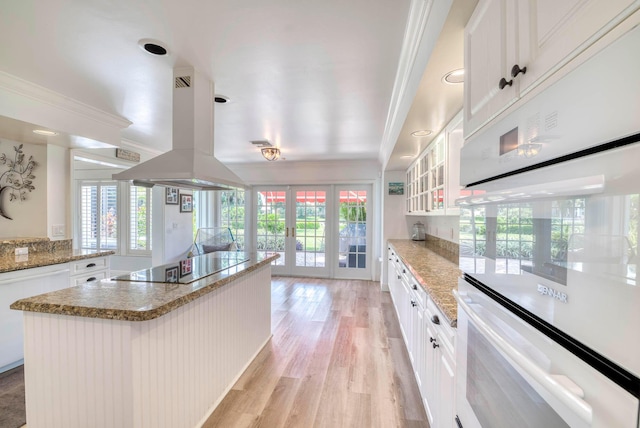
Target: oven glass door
(562,243)
(509,374)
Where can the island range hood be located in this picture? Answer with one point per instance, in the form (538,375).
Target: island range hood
(190,163)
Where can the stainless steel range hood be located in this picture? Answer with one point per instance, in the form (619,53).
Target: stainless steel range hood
(190,163)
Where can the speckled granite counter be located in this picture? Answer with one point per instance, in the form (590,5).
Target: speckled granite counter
(134,301)
(436,270)
(10,263)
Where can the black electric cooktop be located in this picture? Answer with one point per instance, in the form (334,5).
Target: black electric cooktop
(188,270)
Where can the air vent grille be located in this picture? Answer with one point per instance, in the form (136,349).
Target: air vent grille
(183,82)
(261,143)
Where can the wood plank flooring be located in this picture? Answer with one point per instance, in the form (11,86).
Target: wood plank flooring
(336,359)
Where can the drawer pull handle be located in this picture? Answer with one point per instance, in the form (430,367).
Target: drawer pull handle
(431,339)
(517,70)
(91,265)
(404,271)
(503,83)
(435,319)
(415,287)
(93,278)
(413,303)
(435,345)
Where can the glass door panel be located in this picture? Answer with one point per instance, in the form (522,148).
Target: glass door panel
(270,226)
(353,232)
(310,228)
(292,222)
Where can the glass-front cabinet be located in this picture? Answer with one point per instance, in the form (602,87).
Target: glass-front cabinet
(433,181)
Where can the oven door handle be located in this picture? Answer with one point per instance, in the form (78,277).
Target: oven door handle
(575,186)
(577,405)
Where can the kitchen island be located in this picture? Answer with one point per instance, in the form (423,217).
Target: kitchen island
(143,354)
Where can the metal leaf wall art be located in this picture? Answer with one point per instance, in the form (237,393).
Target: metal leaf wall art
(16,177)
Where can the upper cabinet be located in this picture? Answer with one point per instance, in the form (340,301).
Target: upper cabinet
(433,180)
(513,46)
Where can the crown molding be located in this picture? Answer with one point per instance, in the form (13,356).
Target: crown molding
(29,102)
(425,21)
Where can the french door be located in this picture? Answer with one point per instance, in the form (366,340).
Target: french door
(292,221)
(353,249)
(320,231)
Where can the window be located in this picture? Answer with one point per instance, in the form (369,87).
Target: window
(139,219)
(232,214)
(105,224)
(99,215)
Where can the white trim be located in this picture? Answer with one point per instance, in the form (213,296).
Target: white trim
(425,21)
(43,95)
(31,103)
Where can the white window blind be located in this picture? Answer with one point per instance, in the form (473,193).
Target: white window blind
(139,219)
(99,216)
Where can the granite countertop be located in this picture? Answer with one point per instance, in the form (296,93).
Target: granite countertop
(10,263)
(437,271)
(134,301)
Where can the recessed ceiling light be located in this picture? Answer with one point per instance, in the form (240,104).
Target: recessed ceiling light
(45,132)
(454,77)
(221,99)
(422,133)
(154,47)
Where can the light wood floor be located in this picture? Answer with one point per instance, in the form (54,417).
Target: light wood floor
(336,359)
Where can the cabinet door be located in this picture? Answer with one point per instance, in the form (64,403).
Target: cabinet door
(554,32)
(454,144)
(489,52)
(18,285)
(446,391)
(430,376)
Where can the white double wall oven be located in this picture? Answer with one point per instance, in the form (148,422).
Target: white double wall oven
(548,306)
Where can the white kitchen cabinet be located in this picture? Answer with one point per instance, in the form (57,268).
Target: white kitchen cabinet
(433,180)
(17,285)
(439,380)
(430,343)
(88,270)
(540,36)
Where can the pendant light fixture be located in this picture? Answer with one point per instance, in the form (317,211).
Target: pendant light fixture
(271,153)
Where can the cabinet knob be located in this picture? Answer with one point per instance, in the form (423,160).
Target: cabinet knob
(435,319)
(93,278)
(404,271)
(398,276)
(435,345)
(503,82)
(413,303)
(431,339)
(515,70)
(415,287)
(91,265)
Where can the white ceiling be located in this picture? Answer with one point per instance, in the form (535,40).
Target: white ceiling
(313,77)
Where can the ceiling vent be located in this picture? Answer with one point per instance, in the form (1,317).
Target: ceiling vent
(183,82)
(261,143)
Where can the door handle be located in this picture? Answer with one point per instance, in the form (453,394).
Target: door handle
(286,233)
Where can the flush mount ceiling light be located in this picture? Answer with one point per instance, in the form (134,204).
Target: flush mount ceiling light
(153,47)
(45,132)
(454,77)
(271,153)
(422,133)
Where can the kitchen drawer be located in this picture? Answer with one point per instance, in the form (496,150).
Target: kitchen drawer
(446,333)
(88,277)
(417,291)
(85,266)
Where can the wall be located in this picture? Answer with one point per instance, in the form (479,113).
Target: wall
(58,200)
(394,222)
(321,172)
(29,217)
(172,230)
